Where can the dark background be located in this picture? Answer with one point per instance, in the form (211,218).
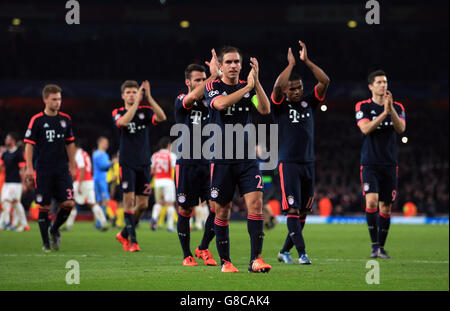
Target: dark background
(139,40)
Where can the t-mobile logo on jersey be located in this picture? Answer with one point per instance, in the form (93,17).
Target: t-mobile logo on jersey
(50,134)
(196,116)
(132,127)
(294,115)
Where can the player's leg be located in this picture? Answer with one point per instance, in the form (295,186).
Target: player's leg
(19,209)
(251,187)
(208,233)
(290,197)
(370,190)
(5,217)
(169,196)
(71,220)
(43,197)
(156,210)
(64,195)
(388,194)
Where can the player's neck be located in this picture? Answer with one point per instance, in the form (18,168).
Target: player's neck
(229,81)
(11,148)
(50,112)
(127,105)
(378,99)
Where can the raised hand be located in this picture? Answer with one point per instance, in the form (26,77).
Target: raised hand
(388,102)
(290,57)
(251,79)
(140,94)
(255,67)
(147,88)
(303,53)
(213,64)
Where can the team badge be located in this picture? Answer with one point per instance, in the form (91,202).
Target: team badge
(117,117)
(214,193)
(39,198)
(290,200)
(125,185)
(366,187)
(181,198)
(247,95)
(141,116)
(63,123)
(359,115)
(304,104)
(28,133)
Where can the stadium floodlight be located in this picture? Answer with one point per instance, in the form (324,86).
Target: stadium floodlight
(404,139)
(324,108)
(352,24)
(184,24)
(16,21)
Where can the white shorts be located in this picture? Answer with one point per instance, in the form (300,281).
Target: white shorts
(87,194)
(164,190)
(11,191)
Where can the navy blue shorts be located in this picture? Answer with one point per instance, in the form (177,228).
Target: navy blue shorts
(192,182)
(297,185)
(135,180)
(381,180)
(53,184)
(226,176)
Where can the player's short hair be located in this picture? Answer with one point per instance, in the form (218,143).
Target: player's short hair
(164,142)
(193,67)
(228,49)
(14,136)
(295,77)
(50,89)
(129,84)
(374,74)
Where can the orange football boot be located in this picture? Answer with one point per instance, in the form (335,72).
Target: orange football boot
(228,267)
(206,256)
(134,247)
(258,265)
(189,261)
(125,243)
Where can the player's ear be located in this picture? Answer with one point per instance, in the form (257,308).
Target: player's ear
(123,95)
(187,82)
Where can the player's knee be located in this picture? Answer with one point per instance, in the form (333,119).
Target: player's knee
(372,205)
(303,213)
(385,209)
(255,206)
(185,210)
(68,205)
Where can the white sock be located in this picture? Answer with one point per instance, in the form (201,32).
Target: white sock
(71,219)
(155,211)
(5,218)
(98,213)
(20,214)
(15,218)
(170,216)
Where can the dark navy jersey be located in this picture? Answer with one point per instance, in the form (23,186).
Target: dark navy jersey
(195,118)
(380,146)
(296,128)
(50,135)
(134,149)
(237,114)
(13,160)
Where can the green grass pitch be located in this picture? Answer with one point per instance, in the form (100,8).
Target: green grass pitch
(339,254)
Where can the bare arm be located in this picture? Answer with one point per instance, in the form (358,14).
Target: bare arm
(398,123)
(29,173)
(160,116)
(223,102)
(367,126)
(263,102)
(70,148)
(319,74)
(283,79)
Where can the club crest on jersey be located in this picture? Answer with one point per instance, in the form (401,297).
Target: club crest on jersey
(63,123)
(181,198)
(290,200)
(39,198)
(366,186)
(359,115)
(125,185)
(214,193)
(117,117)
(304,104)
(141,116)
(28,133)
(247,95)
